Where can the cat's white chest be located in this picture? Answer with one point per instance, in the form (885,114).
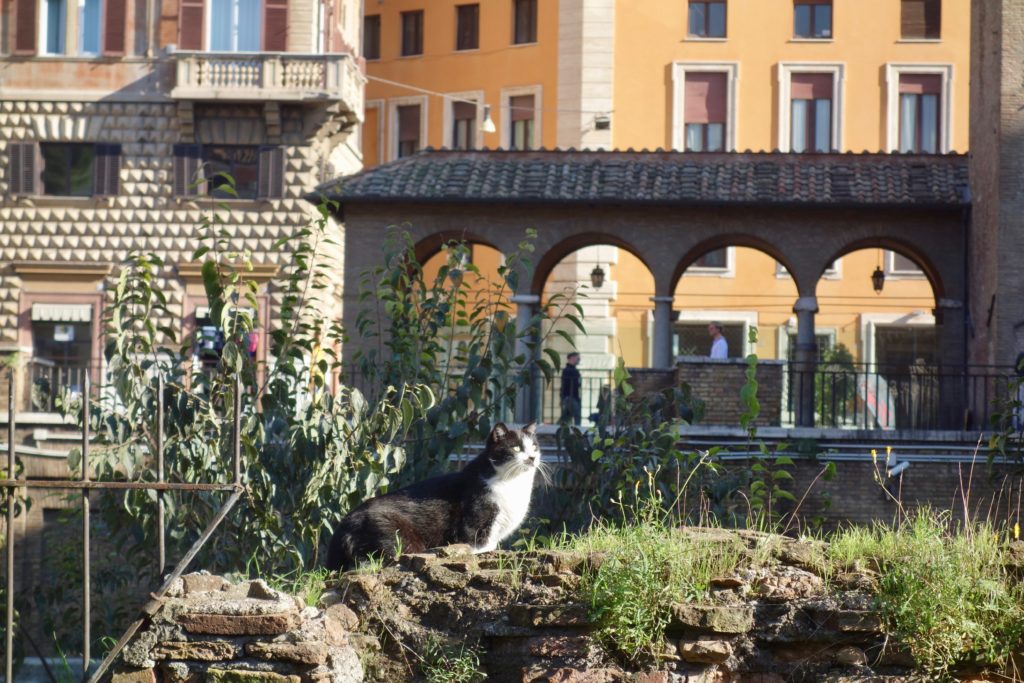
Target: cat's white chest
(512,498)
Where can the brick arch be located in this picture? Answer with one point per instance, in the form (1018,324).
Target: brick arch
(554,255)
(433,243)
(901,247)
(730,240)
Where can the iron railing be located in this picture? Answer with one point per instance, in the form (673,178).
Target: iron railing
(12,486)
(903,397)
(45,380)
(596,391)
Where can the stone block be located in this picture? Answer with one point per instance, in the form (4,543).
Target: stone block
(202,650)
(570,614)
(712,618)
(343,616)
(245,676)
(705,651)
(239,625)
(849,655)
(855,621)
(297,653)
(559,647)
(133,676)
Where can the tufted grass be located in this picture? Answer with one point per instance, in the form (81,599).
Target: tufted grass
(947,596)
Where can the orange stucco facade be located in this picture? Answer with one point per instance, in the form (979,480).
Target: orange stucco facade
(626,63)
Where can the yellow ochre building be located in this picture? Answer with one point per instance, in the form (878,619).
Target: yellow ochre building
(799,76)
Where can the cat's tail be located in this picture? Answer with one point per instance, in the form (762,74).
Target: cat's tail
(341,551)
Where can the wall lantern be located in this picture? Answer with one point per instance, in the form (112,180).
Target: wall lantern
(878,279)
(597,276)
(488,123)
(602,122)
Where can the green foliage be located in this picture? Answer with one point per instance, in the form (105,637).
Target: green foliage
(1007,438)
(835,386)
(647,565)
(610,461)
(456,334)
(948,597)
(442,663)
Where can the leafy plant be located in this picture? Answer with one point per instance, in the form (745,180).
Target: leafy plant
(442,663)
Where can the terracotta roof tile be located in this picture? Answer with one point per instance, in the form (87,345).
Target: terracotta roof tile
(557,176)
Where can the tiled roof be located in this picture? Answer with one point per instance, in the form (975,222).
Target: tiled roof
(658,177)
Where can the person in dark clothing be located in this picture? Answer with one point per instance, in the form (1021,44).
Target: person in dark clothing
(572,384)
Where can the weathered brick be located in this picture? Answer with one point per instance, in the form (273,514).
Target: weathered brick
(203,650)
(239,625)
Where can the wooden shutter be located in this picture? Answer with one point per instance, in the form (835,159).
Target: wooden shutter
(186,167)
(275,25)
(26,31)
(371,36)
(705,98)
(22,168)
(107,170)
(463,110)
(115,24)
(921,18)
(271,173)
(921,84)
(409,123)
(190,24)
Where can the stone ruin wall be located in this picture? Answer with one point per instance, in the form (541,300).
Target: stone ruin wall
(780,622)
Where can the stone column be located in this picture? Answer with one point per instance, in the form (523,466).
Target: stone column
(527,400)
(803,368)
(961,394)
(661,356)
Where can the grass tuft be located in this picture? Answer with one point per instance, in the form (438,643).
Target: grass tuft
(947,596)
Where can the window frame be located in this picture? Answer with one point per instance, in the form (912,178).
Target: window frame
(707,20)
(476,29)
(366,19)
(707,316)
(813,4)
(419,38)
(208,26)
(505,129)
(923,38)
(392,133)
(785,73)
(894,273)
(448,118)
(893,72)
(679,71)
(726,271)
(43,14)
(534,27)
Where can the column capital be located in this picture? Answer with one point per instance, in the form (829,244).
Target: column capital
(663,299)
(521,299)
(806,304)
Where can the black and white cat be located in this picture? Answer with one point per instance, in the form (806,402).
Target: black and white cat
(480,505)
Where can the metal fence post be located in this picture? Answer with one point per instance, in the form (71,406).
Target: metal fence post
(9,621)
(161,524)
(86,578)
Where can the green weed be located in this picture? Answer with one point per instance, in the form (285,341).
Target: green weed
(947,596)
(447,664)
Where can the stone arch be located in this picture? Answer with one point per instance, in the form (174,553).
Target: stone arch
(433,243)
(554,255)
(732,240)
(899,246)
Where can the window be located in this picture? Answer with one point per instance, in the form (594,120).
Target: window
(812,18)
(241,162)
(919,112)
(89,27)
(53,26)
(208,343)
(716,259)
(706,20)
(525,21)
(920,19)
(521,114)
(412,33)
(80,169)
(824,342)
(692,339)
(901,266)
(371,36)
(811,112)
(408,129)
(62,350)
(467,27)
(463,125)
(235,25)
(705,114)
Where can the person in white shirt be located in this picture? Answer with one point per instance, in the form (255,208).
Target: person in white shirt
(719,346)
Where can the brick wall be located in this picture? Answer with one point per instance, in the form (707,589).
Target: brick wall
(718,383)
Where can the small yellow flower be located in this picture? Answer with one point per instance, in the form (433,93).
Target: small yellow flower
(1016,531)
(888,451)
(874,456)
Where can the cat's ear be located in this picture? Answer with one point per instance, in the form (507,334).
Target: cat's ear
(530,429)
(499,432)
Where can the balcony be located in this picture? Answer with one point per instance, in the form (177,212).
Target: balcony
(268,76)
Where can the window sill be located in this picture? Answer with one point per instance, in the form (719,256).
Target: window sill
(533,44)
(811,40)
(709,272)
(704,39)
(468,50)
(415,56)
(100,59)
(48,200)
(919,40)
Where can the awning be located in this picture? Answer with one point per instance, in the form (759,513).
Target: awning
(62,313)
